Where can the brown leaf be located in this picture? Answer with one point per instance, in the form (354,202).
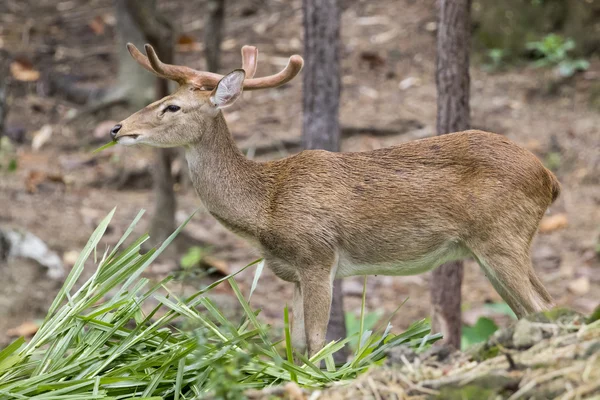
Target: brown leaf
(553,223)
(22,70)
(373,59)
(186,43)
(219,265)
(579,286)
(26,329)
(185,39)
(36,178)
(97,25)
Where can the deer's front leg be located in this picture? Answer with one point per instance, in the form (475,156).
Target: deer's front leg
(316,287)
(298,331)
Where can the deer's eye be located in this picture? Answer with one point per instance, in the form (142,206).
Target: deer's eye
(172,108)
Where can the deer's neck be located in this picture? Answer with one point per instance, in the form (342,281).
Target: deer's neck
(232,188)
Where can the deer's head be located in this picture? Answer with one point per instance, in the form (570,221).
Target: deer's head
(177,119)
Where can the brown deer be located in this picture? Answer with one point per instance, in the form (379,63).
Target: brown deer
(317,215)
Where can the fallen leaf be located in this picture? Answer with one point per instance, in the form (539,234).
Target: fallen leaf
(221,266)
(41,137)
(97,25)
(373,59)
(35,178)
(186,43)
(185,39)
(26,329)
(579,286)
(553,223)
(22,70)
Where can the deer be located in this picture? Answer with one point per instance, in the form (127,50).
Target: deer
(317,215)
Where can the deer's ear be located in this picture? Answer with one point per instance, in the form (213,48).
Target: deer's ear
(229,89)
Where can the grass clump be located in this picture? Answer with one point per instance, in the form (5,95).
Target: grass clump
(97,343)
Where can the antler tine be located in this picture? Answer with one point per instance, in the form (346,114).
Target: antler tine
(249,60)
(181,74)
(140,58)
(287,74)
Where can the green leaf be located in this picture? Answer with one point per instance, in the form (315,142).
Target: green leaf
(480,332)
(104,147)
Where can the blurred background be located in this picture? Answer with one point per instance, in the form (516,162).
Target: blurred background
(66,78)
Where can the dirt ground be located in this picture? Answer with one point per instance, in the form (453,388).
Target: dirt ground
(60,191)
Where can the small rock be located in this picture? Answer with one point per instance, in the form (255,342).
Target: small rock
(408,83)
(293,391)
(27,245)
(553,223)
(526,334)
(579,286)
(70,257)
(41,137)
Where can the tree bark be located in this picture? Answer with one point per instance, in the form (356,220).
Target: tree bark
(453,114)
(320,123)
(160,34)
(213,33)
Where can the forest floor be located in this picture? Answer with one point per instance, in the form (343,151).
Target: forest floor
(60,191)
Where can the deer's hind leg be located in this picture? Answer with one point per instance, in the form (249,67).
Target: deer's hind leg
(509,269)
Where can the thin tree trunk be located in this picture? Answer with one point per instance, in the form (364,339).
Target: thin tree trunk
(213,33)
(321,128)
(159,33)
(452,78)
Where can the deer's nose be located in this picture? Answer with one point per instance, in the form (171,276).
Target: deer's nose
(113,132)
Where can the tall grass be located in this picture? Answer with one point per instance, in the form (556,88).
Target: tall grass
(97,343)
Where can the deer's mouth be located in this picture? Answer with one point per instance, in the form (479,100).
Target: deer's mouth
(128,139)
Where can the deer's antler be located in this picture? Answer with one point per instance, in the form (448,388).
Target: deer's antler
(209,80)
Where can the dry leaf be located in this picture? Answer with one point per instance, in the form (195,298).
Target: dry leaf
(23,70)
(185,39)
(219,265)
(187,43)
(580,286)
(553,223)
(41,137)
(26,329)
(97,25)
(35,178)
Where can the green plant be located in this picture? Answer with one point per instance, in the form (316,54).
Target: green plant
(192,257)
(7,152)
(480,332)
(353,326)
(95,346)
(553,51)
(495,59)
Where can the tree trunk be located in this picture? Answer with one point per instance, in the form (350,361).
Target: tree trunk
(213,33)
(159,33)
(453,114)
(4,77)
(321,129)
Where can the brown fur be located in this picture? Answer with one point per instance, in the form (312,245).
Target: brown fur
(399,210)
